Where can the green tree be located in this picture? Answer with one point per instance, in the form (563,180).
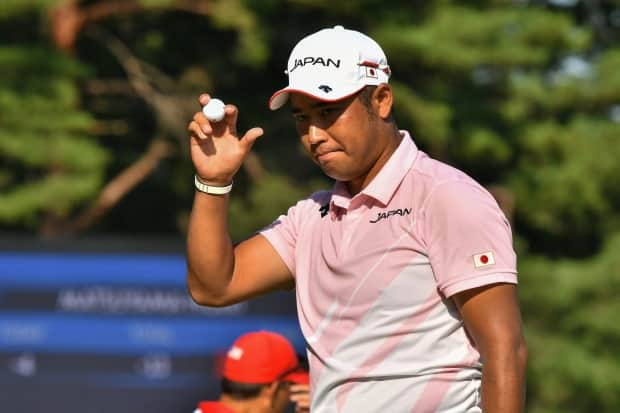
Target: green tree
(50,163)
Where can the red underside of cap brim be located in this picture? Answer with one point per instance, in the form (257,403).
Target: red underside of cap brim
(310,95)
(298,377)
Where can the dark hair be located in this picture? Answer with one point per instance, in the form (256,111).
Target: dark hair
(241,391)
(244,391)
(365,96)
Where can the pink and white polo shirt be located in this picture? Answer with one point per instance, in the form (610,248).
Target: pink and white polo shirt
(374,274)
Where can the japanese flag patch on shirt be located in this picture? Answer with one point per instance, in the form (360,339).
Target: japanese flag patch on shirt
(484,259)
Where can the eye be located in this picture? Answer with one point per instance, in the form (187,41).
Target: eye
(300,118)
(330,111)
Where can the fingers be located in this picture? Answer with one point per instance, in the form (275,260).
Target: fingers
(247,141)
(302,400)
(200,128)
(204,99)
(301,405)
(227,125)
(299,388)
(300,395)
(231,113)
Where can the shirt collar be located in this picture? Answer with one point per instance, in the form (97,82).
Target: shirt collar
(384,185)
(214,407)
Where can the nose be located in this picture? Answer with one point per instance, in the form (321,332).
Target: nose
(315,134)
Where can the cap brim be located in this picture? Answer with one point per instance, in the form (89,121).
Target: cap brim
(298,377)
(279,98)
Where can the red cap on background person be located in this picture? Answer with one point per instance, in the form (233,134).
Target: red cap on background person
(256,373)
(263,357)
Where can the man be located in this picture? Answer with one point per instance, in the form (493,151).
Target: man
(404,273)
(261,374)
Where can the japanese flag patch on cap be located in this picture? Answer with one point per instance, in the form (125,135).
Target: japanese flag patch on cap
(484,259)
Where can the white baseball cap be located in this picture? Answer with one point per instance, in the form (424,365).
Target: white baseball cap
(333,64)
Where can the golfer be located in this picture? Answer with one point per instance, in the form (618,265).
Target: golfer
(404,272)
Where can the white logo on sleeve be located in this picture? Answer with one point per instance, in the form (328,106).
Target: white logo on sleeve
(484,259)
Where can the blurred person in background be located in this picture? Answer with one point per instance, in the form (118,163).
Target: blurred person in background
(405,274)
(261,374)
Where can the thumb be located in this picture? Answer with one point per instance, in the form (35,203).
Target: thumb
(247,141)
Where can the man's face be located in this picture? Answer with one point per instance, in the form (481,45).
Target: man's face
(338,136)
(281,398)
(273,398)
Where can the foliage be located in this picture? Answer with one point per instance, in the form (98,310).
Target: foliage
(51,164)
(573,332)
(14,7)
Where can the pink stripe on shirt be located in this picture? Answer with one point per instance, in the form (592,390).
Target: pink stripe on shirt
(388,345)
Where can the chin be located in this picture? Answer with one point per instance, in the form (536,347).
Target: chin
(335,175)
(340,172)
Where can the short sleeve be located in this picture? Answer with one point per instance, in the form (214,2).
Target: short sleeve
(468,238)
(284,232)
(282,235)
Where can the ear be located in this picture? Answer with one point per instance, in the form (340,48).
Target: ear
(266,396)
(272,391)
(273,387)
(382,99)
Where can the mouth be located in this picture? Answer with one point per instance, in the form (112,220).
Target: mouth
(325,155)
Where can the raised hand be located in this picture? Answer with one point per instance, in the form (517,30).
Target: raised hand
(300,396)
(216,148)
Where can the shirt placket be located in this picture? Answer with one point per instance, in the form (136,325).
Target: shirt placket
(352,220)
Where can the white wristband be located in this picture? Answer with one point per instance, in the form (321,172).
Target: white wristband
(208,189)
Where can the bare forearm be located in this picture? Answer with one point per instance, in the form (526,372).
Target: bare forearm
(503,382)
(210,254)
(492,318)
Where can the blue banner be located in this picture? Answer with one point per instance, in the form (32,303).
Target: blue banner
(42,332)
(45,270)
(117,331)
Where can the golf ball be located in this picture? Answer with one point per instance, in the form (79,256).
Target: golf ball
(214,110)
